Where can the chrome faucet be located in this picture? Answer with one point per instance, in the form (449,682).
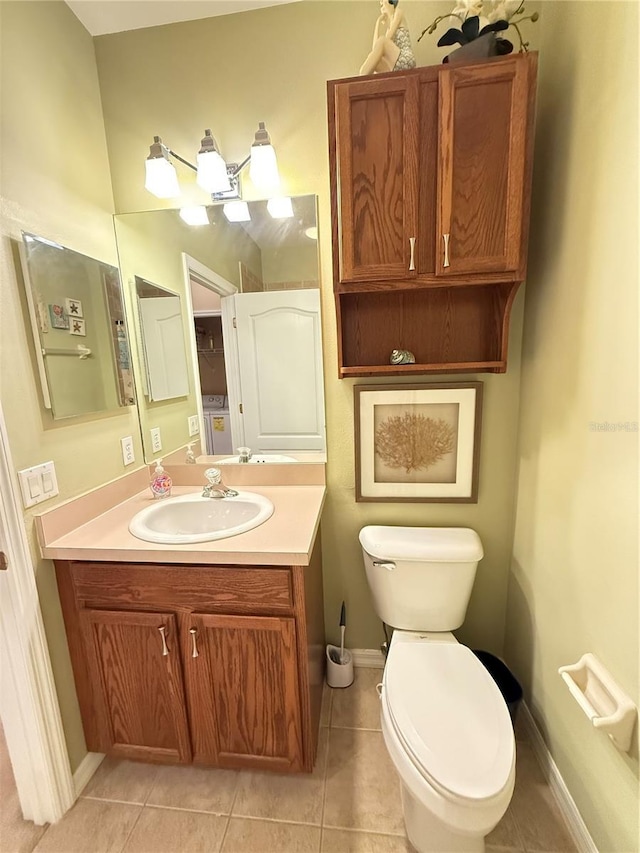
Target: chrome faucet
(244,454)
(215,488)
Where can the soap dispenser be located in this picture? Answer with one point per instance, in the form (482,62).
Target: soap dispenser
(161,482)
(191,457)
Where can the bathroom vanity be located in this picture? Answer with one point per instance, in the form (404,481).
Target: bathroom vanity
(210,654)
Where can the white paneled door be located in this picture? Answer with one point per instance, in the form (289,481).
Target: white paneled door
(280,365)
(165,355)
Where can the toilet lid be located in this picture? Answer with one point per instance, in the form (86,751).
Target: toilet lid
(451,717)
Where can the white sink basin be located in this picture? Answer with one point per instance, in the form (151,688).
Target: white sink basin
(192,518)
(273,458)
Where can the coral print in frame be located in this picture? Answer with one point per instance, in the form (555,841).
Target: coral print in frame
(418,442)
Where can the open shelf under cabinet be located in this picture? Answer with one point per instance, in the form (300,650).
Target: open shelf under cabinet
(449,330)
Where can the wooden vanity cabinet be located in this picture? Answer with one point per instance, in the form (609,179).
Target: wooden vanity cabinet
(216,665)
(430,190)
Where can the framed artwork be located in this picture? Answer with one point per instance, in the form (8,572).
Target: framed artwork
(74,307)
(77,327)
(418,442)
(58,316)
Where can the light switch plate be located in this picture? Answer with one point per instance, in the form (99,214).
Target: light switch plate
(156,440)
(38,484)
(128,454)
(192,422)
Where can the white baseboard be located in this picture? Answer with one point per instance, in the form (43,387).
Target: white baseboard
(86,769)
(371,658)
(577,827)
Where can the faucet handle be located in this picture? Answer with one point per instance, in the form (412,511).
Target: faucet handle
(244,453)
(213,476)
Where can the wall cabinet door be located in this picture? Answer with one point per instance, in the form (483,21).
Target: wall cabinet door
(377,161)
(243,690)
(482,167)
(134,663)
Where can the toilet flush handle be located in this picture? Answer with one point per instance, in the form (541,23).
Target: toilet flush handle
(384,564)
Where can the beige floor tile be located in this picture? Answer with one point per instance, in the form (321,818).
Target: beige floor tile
(358,706)
(91,825)
(261,836)
(506,833)
(325,710)
(172,831)
(16,834)
(125,781)
(343,841)
(362,788)
(535,810)
(202,789)
(292,797)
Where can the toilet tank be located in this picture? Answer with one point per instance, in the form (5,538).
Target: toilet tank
(421,577)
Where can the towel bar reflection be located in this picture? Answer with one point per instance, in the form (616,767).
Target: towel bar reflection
(80,351)
(602,700)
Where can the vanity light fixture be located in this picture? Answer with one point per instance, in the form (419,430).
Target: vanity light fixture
(237,211)
(280,207)
(214,175)
(195,214)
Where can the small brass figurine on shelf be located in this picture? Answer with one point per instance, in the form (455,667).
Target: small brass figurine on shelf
(402,356)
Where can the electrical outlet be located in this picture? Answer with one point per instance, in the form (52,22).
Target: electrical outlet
(128,455)
(194,428)
(38,483)
(156,441)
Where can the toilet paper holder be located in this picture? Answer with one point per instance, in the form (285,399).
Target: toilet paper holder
(603,701)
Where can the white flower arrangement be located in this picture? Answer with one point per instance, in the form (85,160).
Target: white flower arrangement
(470,19)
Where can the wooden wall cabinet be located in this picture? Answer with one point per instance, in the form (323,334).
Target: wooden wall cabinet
(430,192)
(216,665)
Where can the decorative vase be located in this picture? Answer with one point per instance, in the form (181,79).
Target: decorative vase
(480,48)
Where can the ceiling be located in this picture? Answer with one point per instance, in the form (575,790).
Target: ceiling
(100,17)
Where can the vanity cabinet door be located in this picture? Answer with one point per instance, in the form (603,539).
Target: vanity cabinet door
(243,691)
(134,664)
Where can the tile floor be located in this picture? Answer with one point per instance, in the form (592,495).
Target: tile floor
(350,804)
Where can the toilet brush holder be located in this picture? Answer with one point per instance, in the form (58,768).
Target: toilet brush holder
(339,673)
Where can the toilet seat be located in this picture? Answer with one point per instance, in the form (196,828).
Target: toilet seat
(451,719)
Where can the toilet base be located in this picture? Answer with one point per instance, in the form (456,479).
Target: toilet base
(429,835)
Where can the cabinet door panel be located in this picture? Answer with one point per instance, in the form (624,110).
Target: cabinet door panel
(243,691)
(483,130)
(139,683)
(377,155)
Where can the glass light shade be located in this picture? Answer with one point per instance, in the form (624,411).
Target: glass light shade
(311,232)
(280,207)
(212,173)
(264,168)
(237,211)
(161,178)
(194,215)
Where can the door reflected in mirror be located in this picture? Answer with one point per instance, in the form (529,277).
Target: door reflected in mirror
(79,330)
(162,334)
(250,310)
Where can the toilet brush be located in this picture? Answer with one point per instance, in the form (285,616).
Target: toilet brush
(343,625)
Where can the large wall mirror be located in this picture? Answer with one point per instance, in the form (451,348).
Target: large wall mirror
(78,323)
(245,276)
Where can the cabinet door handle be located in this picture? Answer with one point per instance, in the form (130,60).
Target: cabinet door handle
(412,243)
(194,642)
(165,650)
(446,250)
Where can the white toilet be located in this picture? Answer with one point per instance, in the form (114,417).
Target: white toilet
(445,723)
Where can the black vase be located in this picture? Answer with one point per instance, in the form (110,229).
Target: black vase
(480,48)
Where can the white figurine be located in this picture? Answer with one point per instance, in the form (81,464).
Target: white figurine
(391,49)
